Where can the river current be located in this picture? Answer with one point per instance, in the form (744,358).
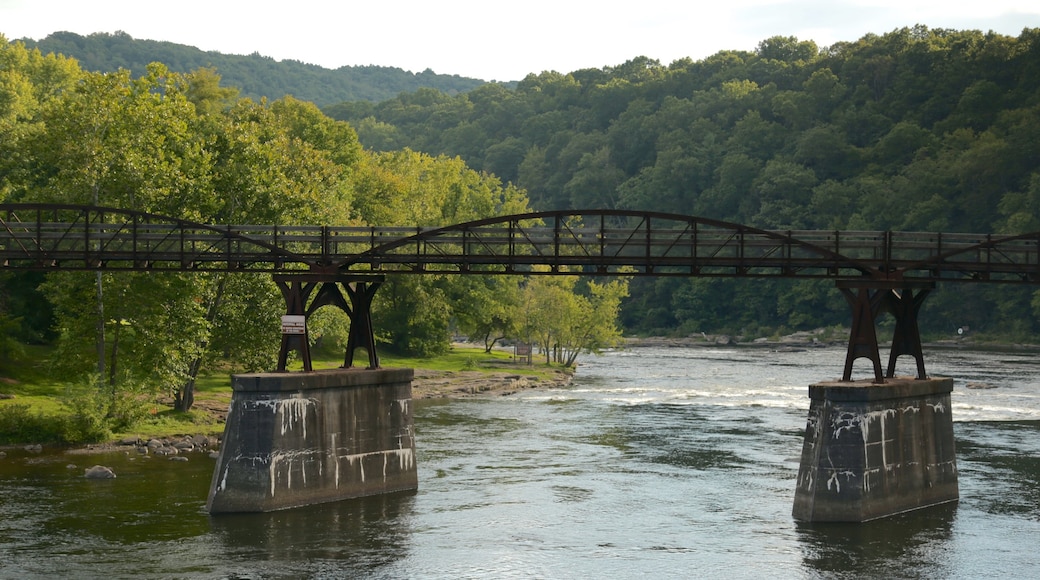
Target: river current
(654,462)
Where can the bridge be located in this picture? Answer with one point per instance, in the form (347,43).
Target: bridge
(876,270)
(867,452)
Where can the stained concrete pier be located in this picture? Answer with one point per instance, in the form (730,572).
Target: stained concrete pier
(295,439)
(875,450)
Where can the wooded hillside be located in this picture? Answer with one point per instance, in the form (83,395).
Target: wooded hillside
(916,129)
(183,146)
(254,75)
(919,129)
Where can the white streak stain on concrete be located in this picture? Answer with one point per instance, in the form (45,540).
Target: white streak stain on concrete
(223,479)
(287,457)
(405,460)
(293,411)
(336,474)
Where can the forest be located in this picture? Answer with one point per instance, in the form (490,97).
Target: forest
(254,75)
(918,129)
(188,147)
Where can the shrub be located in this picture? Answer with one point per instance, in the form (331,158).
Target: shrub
(98,409)
(19,424)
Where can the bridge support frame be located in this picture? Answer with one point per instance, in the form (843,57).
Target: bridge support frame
(868,298)
(297,290)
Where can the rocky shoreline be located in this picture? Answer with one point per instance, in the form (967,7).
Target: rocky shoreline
(171,448)
(430,384)
(808,338)
(427,384)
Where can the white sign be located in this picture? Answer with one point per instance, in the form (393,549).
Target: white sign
(294,324)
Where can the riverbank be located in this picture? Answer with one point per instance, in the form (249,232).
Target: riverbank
(493,378)
(820,337)
(434,384)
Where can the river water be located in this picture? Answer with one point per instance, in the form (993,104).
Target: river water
(658,463)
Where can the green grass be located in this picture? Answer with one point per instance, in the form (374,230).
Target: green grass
(39,408)
(459,358)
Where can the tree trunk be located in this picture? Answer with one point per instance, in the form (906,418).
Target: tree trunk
(184,398)
(100,327)
(115,352)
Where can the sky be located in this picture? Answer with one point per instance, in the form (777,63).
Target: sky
(503,40)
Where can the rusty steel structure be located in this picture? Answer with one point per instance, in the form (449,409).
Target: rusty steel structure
(877,271)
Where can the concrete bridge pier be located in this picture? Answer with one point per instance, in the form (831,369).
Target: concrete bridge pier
(875,448)
(296,439)
(872,450)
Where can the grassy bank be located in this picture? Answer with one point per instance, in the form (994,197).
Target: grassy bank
(37,408)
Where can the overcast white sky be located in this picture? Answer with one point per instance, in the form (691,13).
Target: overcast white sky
(500,40)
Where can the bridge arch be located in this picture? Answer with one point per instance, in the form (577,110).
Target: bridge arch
(618,242)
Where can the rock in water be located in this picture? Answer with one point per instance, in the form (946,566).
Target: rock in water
(99,472)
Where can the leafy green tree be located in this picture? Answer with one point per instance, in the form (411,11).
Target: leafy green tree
(144,144)
(487,308)
(409,188)
(1020,210)
(206,93)
(565,323)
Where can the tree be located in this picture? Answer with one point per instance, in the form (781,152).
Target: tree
(565,323)
(487,307)
(142,144)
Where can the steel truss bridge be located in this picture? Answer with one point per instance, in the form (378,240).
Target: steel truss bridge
(876,270)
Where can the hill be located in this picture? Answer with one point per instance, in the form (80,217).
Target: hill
(918,129)
(254,75)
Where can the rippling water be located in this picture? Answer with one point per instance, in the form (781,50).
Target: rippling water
(655,462)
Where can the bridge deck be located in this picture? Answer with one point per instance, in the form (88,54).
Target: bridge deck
(50,237)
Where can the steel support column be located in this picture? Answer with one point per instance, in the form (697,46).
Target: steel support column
(863,338)
(868,298)
(904,305)
(297,289)
(296,292)
(361,334)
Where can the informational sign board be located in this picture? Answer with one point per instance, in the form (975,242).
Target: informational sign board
(294,324)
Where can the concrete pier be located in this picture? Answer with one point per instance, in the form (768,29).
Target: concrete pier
(295,439)
(875,450)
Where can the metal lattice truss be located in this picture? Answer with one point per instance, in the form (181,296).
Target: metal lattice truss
(591,242)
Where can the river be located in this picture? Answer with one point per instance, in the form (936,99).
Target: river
(654,462)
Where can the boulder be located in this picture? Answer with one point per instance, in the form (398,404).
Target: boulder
(185,445)
(99,472)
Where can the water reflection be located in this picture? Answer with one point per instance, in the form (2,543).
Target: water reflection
(907,545)
(365,533)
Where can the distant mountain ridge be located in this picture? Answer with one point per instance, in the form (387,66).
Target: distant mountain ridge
(254,75)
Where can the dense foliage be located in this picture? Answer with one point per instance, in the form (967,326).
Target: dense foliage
(184,146)
(917,129)
(254,75)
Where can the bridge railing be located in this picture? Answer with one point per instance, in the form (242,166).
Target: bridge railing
(68,237)
(689,248)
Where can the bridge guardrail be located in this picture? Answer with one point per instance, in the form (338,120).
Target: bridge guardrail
(643,244)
